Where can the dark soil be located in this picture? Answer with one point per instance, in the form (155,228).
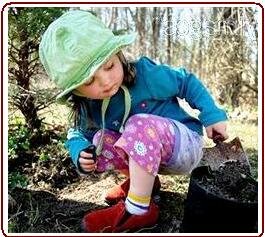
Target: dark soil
(232,181)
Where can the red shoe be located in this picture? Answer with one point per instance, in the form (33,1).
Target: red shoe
(116,219)
(119,192)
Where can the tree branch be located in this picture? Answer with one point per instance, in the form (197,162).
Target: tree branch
(13,46)
(251,88)
(132,15)
(33,60)
(14,58)
(45,105)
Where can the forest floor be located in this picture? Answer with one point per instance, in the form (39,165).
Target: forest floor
(47,210)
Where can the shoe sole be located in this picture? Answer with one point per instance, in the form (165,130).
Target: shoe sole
(142,230)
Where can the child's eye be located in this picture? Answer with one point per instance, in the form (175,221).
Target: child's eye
(110,66)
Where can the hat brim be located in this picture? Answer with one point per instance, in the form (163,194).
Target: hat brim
(114,46)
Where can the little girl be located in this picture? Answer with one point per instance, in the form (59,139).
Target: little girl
(129,112)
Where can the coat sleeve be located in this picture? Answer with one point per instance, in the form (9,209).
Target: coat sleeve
(76,142)
(190,88)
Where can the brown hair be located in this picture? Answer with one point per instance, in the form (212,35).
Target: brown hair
(79,104)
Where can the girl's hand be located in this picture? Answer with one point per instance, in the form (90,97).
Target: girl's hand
(217,128)
(86,162)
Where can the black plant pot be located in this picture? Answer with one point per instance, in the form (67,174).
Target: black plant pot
(206,212)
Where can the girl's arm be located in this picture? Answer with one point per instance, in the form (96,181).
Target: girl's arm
(195,93)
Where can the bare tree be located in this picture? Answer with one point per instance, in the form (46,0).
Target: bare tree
(169,32)
(114,18)
(157,19)
(139,17)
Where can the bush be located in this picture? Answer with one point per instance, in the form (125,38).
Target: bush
(18,138)
(17,180)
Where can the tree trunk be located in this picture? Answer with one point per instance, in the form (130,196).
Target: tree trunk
(169,33)
(114,18)
(29,111)
(155,32)
(140,22)
(230,17)
(201,48)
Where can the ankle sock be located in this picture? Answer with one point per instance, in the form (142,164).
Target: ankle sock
(137,205)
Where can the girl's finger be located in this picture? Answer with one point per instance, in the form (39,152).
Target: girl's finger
(86,155)
(86,161)
(88,168)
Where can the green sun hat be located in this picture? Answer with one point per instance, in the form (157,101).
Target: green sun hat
(74,46)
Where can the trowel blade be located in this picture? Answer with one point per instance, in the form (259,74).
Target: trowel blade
(221,153)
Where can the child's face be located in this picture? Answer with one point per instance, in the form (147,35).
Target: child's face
(105,82)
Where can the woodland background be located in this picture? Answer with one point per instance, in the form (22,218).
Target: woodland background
(219,44)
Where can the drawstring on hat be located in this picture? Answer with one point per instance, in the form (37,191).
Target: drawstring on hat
(105,104)
(127,99)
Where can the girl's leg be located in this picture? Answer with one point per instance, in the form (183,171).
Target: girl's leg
(110,159)
(141,186)
(141,181)
(148,141)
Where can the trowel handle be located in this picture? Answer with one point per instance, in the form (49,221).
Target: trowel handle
(217,137)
